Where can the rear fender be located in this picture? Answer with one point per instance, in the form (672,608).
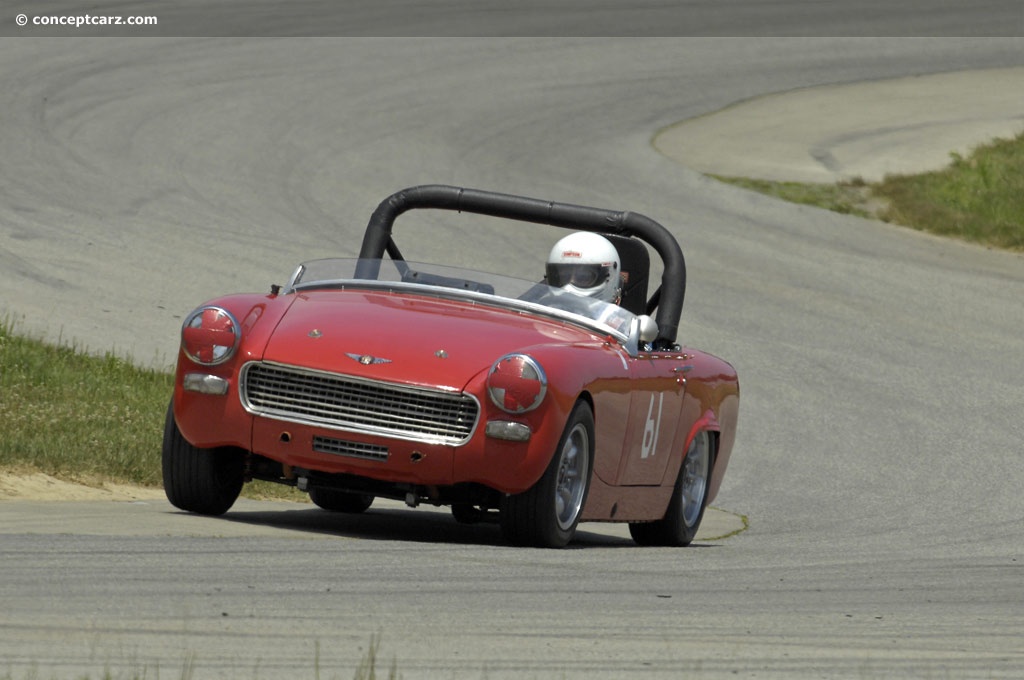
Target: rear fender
(728,412)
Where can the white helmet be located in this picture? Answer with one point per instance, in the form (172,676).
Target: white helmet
(585,264)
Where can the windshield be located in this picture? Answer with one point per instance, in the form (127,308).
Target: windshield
(457,283)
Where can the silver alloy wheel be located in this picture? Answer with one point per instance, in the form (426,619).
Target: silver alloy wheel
(695,476)
(546,514)
(572,478)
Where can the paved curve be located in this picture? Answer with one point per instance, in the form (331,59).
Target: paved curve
(880,445)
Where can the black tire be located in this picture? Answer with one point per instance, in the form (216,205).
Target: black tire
(689,500)
(464,513)
(204,481)
(340,501)
(546,515)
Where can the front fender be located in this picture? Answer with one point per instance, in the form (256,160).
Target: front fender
(212,420)
(508,466)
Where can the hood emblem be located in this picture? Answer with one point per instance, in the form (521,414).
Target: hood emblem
(315,333)
(366,359)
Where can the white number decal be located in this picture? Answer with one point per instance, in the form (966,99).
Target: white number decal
(651,428)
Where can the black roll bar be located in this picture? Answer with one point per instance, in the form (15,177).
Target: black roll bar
(377,239)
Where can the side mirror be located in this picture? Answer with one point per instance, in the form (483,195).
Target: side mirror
(648,328)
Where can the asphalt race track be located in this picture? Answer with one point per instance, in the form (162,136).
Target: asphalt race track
(879,459)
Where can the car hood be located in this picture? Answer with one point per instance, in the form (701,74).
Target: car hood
(407,338)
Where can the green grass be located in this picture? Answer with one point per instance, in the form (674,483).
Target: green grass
(80,417)
(977,198)
(849,198)
(84,418)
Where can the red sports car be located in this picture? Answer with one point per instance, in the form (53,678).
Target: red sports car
(504,399)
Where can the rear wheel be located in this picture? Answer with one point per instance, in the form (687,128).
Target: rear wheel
(205,481)
(689,500)
(546,515)
(340,501)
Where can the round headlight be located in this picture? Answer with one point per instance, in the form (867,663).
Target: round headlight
(210,336)
(516,383)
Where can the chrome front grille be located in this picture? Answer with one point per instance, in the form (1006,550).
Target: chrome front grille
(340,447)
(352,404)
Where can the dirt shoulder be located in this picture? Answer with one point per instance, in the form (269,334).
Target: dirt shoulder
(36,486)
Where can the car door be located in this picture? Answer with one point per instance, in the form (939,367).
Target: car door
(659,384)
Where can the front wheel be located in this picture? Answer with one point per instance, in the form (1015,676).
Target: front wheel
(689,500)
(204,481)
(547,513)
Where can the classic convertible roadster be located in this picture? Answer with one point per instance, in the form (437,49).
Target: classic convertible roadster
(508,400)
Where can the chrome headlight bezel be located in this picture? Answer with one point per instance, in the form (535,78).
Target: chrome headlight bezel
(516,367)
(202,325)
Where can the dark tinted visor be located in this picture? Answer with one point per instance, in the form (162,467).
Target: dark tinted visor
(579,275)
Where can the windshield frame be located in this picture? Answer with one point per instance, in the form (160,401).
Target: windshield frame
(467,285)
